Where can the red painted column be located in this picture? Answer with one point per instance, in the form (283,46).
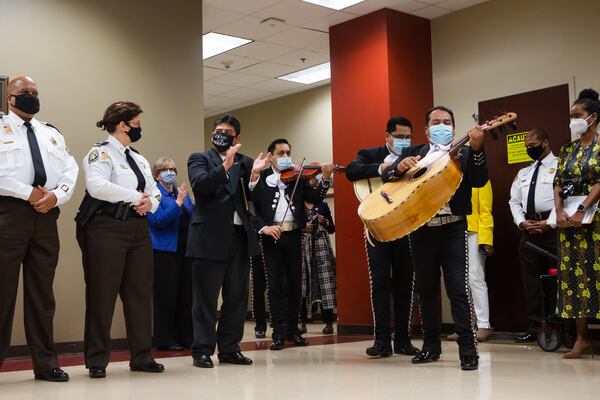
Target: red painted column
(380,66)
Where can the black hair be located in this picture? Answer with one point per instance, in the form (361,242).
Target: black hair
(432,109)
(540,134)
(588,98)
(231,120)
(275,142)
(121,111)
(398,120)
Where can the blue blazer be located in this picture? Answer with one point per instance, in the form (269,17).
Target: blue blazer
(164,223)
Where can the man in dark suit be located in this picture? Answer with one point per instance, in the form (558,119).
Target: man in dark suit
(279,223)
(390,264)
(443,240)
(221,241)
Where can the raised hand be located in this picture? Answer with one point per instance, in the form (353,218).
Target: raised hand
(181,194)
(144,205)
(476,137)
(327,170)
(261,162)
(230,156)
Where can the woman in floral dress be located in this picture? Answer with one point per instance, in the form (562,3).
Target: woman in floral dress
(579,269)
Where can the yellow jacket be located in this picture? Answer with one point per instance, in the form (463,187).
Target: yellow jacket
(481,220)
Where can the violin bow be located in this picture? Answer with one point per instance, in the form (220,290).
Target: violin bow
(293,192)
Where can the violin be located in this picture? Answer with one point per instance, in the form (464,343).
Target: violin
(306,172)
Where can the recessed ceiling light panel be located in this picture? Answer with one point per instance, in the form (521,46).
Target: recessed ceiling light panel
(217,43)
(335,4)
(310,75)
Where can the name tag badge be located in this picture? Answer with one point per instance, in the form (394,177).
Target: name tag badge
(8,142)
(123,166)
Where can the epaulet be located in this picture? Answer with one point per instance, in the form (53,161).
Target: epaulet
(51,126)
(100,144)
(134,150)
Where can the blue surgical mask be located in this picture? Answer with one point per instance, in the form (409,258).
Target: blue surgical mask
(284,163)
(168,177)
(440,134)
(400,144)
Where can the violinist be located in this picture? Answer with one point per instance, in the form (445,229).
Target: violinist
(280,215)
(390,266)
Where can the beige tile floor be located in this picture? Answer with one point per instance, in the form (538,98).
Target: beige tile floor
(333,372)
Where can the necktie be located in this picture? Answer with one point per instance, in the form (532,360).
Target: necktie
(136,170)
(531,194)
(39,177)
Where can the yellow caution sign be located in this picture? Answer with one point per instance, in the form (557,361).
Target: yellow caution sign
(515,148)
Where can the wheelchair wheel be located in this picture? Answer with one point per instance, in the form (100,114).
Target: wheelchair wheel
(548,339)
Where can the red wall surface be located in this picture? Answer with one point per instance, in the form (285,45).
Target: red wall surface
(380,66)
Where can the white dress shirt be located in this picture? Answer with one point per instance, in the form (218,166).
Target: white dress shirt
(108,176)
(434,148)
(16,163)
(389,159)
(544,188)
(274,180)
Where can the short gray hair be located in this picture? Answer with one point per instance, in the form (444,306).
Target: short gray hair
(160,164)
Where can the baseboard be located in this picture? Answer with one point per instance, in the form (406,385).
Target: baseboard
(63,348)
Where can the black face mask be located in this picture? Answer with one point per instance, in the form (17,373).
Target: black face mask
(134,133)
(222,141)
(28,103)
(535,152)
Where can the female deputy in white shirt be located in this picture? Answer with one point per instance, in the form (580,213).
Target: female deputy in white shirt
(115,242)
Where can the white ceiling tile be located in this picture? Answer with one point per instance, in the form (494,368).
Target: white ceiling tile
(261,51)
(215,89)
(455,5)
(320,45)
(241,6)
(212,73)
(323,24)
(370,6)
(297,37)
(295,12)
(246,94)
(276,85)
(311,58)
(269,70)
(236,62)
(215,17)
(431,12)
(251,28)
(237,79)
(429,1)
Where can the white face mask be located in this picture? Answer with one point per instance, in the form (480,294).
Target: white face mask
(579,126)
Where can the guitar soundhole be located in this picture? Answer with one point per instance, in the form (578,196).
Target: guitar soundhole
(419,173)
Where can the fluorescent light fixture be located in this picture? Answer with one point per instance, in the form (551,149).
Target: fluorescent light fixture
(309,75)
(335,4)
(217,43)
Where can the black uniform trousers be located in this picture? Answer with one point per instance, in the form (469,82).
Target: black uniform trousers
(31,239)
(172,298)
(533,265)
(391,273)
(117,260)
(444,246)
(259,286)
(231,278)
(283,262)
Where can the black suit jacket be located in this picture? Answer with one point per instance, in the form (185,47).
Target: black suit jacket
(266,199)
(473,165)
(366,164)
(218,194)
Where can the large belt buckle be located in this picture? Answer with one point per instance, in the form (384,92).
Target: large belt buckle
(288,226)
(435,221)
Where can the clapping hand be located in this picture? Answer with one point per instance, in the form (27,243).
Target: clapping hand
(230,156)
(182,194)
(144,205)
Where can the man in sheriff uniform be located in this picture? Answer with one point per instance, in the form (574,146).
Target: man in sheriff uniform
(531,200)
(37,174)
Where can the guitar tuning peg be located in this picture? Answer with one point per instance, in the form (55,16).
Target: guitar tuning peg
(502,128)
(513,125)
(494,133)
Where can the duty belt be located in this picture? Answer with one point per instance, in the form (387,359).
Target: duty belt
(287,226)
(445,220)
(120,210)
(538,216)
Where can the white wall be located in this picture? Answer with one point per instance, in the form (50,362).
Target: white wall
(85,55)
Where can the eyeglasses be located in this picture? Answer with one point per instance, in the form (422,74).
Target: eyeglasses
(169,170)
(229,132)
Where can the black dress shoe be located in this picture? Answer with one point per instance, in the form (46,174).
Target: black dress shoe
(234,358)
(151,366)
(97,372)
(469,363)
(203,361)
(425,357)
(298,340)
(260,334)
(406,349)
(277,344)
(528,337)
(52,375)
(173,347)
(380,349)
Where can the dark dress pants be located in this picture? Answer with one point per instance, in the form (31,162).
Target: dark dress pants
(231,278)
(444,246)
(391,272)
(117,260)
(31,239)
(259,286)
(283,262)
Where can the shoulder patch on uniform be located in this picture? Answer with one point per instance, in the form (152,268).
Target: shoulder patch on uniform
(51,126)
(93,156)
(100,144)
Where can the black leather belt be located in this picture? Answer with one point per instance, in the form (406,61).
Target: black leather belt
(10,199)
(538,216)
(238,228)
(120,210)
